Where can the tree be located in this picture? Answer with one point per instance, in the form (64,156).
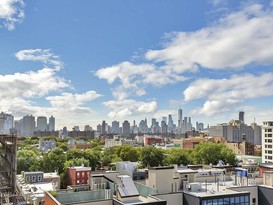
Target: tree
(62,145)
(178,157)
(152,156)
(76,162)
(54,160)
(211,153)
(27,160)
(93,157)
(74,153)
(127,153)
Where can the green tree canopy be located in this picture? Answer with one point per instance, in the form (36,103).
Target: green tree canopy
(127,153)
(27,160)
(211,153)
(152,156)
(54,160)
(178,156)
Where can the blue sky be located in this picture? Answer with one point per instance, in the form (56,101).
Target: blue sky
(91,60)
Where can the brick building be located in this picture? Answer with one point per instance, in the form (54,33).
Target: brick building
(78,175)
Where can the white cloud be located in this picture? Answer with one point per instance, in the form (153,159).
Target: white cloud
(24,93)
(44,56)
(224,94)
(69,100)
(129,107)
(133,78)
(11,13)
(229,43)
(31,84)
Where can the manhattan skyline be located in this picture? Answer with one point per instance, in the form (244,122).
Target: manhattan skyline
(88,61)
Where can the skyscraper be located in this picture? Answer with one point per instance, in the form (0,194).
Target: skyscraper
(6,123)
(241,116)
(126,128)
(27,124)
(41,123)
(170,123)
(103,127)
(51,124)
(179,120)
(115,127)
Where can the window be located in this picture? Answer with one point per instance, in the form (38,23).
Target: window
(33,178)
(246,199)
(78,174)
(78,181)
(269,151)
(270,157)
(269,130)
(270,140)
(269,135)
(270,146)
(40,178)
(237,199)
(83,174)
(242,199)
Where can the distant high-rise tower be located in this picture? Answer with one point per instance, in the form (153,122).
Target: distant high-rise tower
(115,127)
(241,116)
(103,127)
(180,120)
(6,123)
(126,128)
(170,123)
(51,124)
(27,125)
(41,123)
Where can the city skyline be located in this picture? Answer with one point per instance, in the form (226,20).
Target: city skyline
(89,61)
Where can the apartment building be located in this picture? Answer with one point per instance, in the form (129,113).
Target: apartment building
(267,142)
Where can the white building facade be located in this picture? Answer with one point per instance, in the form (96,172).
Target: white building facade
(267,144)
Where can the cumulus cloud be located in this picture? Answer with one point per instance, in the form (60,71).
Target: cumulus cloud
(24,93)
(44,56)
(229,43)
(133,78)
(11,13)
(129,107)
(236,40)
(31,84)
(224,94)
(69,100)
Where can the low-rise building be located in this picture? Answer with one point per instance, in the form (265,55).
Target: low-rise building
(78,175)
(46,145)
(33,185)
(80,144)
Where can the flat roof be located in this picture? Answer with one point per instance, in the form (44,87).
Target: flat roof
(80,168)
(158,168)
(267,165)
(186,171)
(212,190)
